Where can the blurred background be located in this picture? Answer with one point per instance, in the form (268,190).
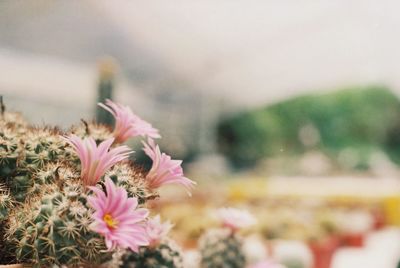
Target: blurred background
(287,108)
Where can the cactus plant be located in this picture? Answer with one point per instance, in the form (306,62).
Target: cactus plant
(221,248)
(73,198)
(133,180)
(6,203)
(54,227)
(161,252)
(9,151)
(107,68)
(13,120)
(23,155)
(97,131)
(166,254)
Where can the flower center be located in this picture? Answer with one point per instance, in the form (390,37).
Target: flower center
(111,223)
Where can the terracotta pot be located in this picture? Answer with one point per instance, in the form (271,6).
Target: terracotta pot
(323,251)
(354,240)
(12,266)
(379,219)
(270,248)
(189,244)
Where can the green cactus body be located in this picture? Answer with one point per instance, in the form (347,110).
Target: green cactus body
(9,152)
(165,255)
(54,228)
(6,203)
(22,156)
(49,223)
(42,146)
(221,248)
(130,178)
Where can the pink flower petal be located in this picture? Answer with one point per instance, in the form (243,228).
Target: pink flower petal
(96,160)
(164,169)
(117,219)
(128,124)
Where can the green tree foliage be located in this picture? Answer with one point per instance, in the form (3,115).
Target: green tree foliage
(363,119)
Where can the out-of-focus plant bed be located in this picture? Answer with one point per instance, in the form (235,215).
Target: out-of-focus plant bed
(303,218)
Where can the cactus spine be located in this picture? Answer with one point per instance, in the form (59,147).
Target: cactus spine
(53,227)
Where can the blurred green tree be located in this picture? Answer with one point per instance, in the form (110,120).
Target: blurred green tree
(361,119)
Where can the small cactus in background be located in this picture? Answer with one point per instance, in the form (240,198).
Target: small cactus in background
(223,247)
(107,68)
(73,199)
(161,252)
(167,254)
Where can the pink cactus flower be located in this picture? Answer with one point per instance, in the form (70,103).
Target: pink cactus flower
(96,160)
(128,124)
(117,218)
(234,218)
(156,230)
(164,169)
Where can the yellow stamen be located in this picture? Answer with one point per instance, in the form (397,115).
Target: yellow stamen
(111,223)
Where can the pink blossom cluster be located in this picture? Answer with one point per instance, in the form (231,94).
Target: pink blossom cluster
(117,216)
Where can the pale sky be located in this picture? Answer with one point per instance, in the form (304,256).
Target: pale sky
(247,52)
(260,51)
